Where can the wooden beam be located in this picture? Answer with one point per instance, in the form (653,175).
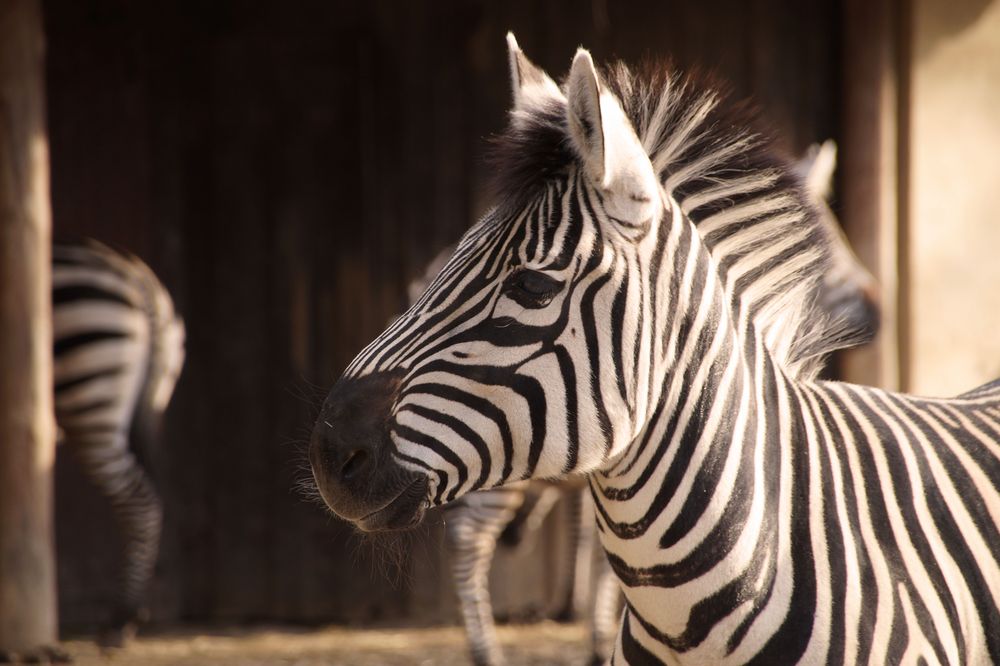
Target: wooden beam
(28,619)
(869,156)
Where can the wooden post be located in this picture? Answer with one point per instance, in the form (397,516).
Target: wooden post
(28,619)
(869,167)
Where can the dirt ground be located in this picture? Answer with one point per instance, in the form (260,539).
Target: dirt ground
(540,644)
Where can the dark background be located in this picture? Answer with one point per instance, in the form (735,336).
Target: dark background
(286,168)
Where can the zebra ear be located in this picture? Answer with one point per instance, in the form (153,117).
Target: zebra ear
(816,169)
(607,144)
(583,114)
(530,85)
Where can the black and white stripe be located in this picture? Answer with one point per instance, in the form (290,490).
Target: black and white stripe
(119,348)
(642,307)
(473,522)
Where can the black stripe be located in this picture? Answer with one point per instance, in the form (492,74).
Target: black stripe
(463,431)
(484,408)
(568,373)
(67,383)
(82,292)
(421,439)
(85,408)
(632,650)
(67,344)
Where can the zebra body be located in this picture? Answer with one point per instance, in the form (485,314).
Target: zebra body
(473,522)
(118,350)
(769,520)
(641,307)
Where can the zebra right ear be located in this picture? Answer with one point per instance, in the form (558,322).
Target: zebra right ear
(530,85)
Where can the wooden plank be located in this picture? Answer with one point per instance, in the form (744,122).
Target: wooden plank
(27,564)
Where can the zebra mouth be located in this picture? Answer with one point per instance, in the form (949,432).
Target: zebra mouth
(402,512)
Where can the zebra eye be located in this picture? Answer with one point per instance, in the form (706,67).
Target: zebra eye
(532,289)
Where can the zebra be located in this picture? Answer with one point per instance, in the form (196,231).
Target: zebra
(474,522)
(118,350)
(639,307)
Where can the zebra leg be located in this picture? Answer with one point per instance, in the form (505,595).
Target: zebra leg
(585,539)
(597,594)
(472,527)
(114,470)
(547,496)
(605,610)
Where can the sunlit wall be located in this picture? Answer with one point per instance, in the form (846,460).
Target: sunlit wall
(951,259)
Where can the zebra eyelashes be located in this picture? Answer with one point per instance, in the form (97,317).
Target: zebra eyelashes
(531,289)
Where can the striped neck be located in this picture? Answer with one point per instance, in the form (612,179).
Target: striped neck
(696,491)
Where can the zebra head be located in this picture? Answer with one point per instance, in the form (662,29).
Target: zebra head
(539,350)
(457,394)
(848,290)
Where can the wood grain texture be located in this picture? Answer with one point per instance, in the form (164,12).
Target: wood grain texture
(27,566)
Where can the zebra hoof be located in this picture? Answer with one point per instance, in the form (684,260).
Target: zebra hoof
(119,636)
(45,654)
(122,628)
(488,656)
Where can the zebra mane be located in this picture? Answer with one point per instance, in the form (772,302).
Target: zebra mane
(744,197)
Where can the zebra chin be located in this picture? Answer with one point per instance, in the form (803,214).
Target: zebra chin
(404,512)
(351,455)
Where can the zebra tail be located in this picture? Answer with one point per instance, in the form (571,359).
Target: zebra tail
(164,363)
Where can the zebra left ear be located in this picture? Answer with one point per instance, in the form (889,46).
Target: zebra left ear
(607,144)
(530,85)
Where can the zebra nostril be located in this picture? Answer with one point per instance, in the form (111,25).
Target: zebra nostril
(355,463)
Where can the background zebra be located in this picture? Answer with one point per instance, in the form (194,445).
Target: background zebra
(585,326)
(119,348)
(475,522)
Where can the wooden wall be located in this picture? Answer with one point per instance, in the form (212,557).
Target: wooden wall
(286,167)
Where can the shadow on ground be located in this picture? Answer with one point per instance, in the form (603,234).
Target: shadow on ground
(540,644)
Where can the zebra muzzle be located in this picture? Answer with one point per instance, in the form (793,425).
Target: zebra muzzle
(351,457)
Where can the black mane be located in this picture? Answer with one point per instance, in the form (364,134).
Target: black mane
(537,148)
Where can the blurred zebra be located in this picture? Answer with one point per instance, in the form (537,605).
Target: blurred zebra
(587,325)
(473,523)
(119,348)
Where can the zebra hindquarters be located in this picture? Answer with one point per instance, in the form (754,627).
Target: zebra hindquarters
(138,512)
(472,527)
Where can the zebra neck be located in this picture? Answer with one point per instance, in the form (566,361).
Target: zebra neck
(694,496)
